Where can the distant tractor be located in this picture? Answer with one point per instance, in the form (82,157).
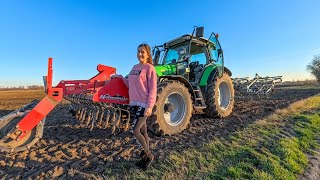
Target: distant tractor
(192,77)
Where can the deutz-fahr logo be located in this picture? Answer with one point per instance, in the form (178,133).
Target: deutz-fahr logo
(115,97)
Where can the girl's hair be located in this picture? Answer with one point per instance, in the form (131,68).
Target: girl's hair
(148,49)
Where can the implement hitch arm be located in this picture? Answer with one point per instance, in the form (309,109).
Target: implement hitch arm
(42,109)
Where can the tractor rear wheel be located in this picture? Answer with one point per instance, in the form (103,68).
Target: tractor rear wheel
(173,109)
(220,97)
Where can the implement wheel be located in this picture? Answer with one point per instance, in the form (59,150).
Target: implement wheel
(9,122)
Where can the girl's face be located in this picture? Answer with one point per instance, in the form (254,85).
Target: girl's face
(142,55)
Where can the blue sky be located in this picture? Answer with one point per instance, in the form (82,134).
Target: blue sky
(265,36)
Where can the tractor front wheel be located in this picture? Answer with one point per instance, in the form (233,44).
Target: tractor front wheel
(173,109)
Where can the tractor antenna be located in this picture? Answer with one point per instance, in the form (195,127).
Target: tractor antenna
(194,29)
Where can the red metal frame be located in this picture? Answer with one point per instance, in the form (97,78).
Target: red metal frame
(55,95)
(49,75)
(80,86)
(115,91)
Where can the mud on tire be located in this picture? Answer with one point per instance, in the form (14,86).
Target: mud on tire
(173,109)
(220,97)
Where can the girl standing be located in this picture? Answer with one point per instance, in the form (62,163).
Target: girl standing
(142,84)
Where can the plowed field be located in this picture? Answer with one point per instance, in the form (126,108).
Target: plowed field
(69,151)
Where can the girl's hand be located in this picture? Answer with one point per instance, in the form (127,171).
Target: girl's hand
(148,112)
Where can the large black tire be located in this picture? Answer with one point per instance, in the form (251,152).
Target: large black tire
(173,109)
(220,97)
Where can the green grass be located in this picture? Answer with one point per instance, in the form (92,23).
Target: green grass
(273,148)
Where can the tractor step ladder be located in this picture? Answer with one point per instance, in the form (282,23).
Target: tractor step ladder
(199,100)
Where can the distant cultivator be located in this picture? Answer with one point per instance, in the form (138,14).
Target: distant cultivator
(259,86)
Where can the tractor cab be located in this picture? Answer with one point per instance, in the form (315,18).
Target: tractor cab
(188,56)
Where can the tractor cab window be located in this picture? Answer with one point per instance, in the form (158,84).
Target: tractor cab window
(198,59)
(197,53)
(175,54)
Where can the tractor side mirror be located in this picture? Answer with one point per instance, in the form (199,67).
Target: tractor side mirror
(219,52)
(156,57)
(217,36)
(199,31)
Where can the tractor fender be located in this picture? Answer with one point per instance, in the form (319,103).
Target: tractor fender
(206,79)
(208,73)
(215,73)
(227,70)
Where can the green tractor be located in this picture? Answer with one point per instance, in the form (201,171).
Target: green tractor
(191,78)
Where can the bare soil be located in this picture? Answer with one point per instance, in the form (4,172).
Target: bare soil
(313,170)
(69,151)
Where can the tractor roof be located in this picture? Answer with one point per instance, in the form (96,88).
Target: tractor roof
(185,38)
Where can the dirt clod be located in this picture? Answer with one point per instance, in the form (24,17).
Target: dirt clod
(57,171)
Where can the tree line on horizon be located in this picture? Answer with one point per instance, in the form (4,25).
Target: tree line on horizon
(30,87)
(314,67)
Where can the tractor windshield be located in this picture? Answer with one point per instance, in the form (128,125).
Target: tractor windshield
(175,54)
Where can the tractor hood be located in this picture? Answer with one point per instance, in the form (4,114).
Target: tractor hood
(163,70)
